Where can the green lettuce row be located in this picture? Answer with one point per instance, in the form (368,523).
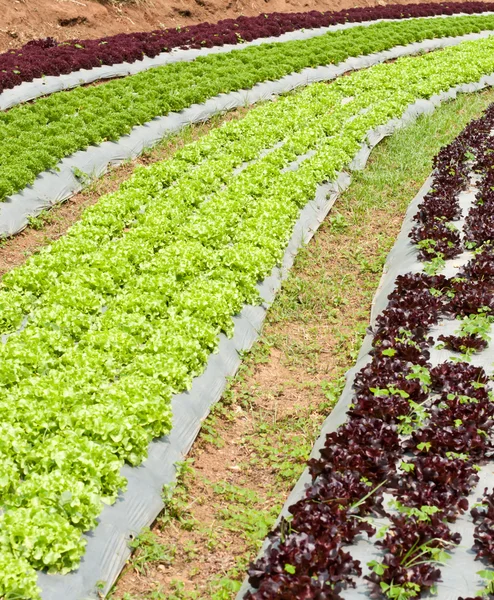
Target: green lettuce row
(125,309)
(35,137)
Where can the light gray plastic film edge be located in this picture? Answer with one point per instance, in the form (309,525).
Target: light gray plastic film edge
(459,573)
(107,549)
(52,187)
(43,86)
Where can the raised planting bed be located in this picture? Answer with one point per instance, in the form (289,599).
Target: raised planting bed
(37,136)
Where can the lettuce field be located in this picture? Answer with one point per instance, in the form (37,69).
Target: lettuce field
(141,302)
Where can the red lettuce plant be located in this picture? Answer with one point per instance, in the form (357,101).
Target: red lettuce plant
(459,378)
(413,548)
(458,343)
(481,267)
(434,480)
(365,446)
(303,567)
(483,536)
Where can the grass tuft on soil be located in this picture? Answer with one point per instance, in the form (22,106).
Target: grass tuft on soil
(254,445)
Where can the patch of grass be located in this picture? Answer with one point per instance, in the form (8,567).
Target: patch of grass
(273,409)
(252,524)
(149,550)
(177,498)
(282,446)
(41,220)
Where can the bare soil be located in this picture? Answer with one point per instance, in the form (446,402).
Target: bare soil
(24,20)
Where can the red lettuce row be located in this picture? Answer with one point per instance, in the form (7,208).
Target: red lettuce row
(414,431)
(454,431)
(435,235)
(480,220)
(454,435)
(48,57)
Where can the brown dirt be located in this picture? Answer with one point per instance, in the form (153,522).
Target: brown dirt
(24,20)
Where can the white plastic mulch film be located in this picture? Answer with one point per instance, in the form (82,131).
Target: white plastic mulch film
(74,172)
(107,546)
(459,573)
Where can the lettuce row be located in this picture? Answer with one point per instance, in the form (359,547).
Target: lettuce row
(103,326)
(37,136)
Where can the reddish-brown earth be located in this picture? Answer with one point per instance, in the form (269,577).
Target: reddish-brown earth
(24,20)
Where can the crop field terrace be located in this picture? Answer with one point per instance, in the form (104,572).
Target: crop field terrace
(135,310)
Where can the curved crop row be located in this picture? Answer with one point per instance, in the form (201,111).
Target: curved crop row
(35,137)
(103,326)
(39,58)
(415,431)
